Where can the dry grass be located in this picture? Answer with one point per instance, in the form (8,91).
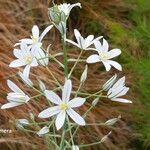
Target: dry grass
(16,20)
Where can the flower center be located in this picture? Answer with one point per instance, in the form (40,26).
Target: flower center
(64,106)
(28,59)
(103,55)
(35,39)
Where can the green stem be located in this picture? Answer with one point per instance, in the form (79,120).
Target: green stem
(53,76)
(72,69)
(62,139)
(65,56)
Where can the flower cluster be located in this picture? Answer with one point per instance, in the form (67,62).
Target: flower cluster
(30,52)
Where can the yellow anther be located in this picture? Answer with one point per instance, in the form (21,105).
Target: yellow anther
(28,59)
(103,56)
(64,106)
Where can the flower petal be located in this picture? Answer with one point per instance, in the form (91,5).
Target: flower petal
(10,105)
(122,100)
(17,53)
(93,59)
(49,112)
(60,119)
(14,87)
(17,63)
(66,91)
(115,64)
(98,45)
(120,82)
(72,42)
(76,117)
(27,41)
(76,102)
(105,46)
(113,53)
(107,65)
(45,32)
(26,71)
(51,96)
(35,31)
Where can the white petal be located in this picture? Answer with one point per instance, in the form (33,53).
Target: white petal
(25,78)
(113,53)
(27,41)
(34,62)
(10,105)
(93,59)
(24,47)
(88,41)
(17,63)
(74,147)
(49,112)
(120,82)
(115,64)
(74,5)
(66,91)
(72,42)
(105,45)
(121,100)
(109,83)
(76,102)
(54,98)
(78,36)
(35,31)
(107,65)
(76,117)
(60,119)
(14,87)
(26,71)
(23,121)
(98,45)
(17,53)
(45,32)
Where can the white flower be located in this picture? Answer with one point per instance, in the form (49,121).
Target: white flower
(104,55)
(66,8)
(43,131)
(117,90)
(25,79)
(25,57)
(41,56)
(84,74)
(83,43)
(36,38)
(74,147)
(15,98)
(109,83)
(64,106)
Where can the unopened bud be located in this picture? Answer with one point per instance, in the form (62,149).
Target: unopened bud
(95,101)
(84,74)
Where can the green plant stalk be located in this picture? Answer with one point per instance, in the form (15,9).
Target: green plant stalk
(53,76)
(65,56)
(63,138)
(70,131)
(72,69)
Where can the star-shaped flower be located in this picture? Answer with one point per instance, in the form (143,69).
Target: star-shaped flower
(15,98)
(83,43)
(64,106)
(36,38)
(25,57)
(117,90)
(104,55)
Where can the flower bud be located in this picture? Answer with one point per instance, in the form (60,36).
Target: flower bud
(84,74)
(95,101)
(43,131)
(112,121)
(41,85)
(105,137)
